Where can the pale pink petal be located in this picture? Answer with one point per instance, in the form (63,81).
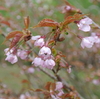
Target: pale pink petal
(87,42)
(60,93)
(59,86)
(85,28)
(88,20)
(49,63)
(84,24)
(35,37)
(11,58)
(37,61)
(40,42)
(45,51)
(22,54)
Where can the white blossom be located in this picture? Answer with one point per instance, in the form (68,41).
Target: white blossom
(84,24)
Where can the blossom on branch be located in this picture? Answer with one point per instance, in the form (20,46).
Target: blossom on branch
(87,42)
(39,40)
(45,58)
(59,85)
(11,58)
(59,91)
(49,63)
(44,51)
(11,55)
(84,24)
(37,61)
(14,53)
(22,54)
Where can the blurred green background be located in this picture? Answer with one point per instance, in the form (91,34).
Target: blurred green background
(85,75)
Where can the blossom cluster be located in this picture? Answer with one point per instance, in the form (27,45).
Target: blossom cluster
(88,42)
(44,59)
(13,54)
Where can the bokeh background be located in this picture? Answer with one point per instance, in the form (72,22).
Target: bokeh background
(85,75)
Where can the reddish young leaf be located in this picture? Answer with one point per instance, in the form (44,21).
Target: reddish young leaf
(73,18)
(47,23)
(26,22)
(12,34)
(5,22)
(38,90)
(15,40)
(53,86)
(47,87)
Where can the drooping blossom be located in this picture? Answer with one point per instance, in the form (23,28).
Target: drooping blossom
(35,37)
(37,61)
(23,54)
(11,55)
(39,40)
(45,51)
(49,63)
(84,24)
(45,58)
(59,91)
(11,58)
(14,53)
(87,42)
(59,86)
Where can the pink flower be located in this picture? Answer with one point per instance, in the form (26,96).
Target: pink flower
(87,42)
(49,63)
(11,51)
(60,93)
(40,42)
(7,52)
(45,51)
(37,61)
(35,37)
(59,86)
(11,58)
(30,70)
(84,24)
(22,54)
(22,96)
